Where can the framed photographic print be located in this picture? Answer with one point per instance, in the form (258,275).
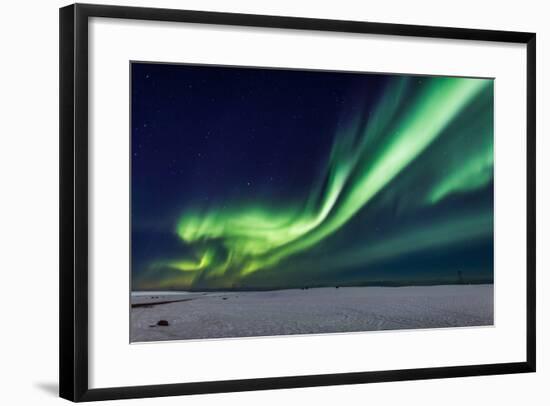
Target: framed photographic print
(301,200)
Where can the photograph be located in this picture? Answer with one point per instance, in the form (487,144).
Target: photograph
(265,199)
(273,201)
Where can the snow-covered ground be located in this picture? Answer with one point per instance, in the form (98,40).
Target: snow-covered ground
(197,315)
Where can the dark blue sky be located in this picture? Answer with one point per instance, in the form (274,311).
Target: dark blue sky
(212,140)
(223,132)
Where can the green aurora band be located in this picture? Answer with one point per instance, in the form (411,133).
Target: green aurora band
(436,132)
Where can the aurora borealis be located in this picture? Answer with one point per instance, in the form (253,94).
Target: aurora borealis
(249,178)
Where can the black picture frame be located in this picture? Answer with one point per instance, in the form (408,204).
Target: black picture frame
(73,333)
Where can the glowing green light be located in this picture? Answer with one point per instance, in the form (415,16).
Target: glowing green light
(237,241)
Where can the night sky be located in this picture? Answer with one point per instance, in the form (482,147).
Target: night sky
(247,178)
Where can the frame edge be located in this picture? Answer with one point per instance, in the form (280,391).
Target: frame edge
(73,203)
(67,366)
(292,382)
(301,23)
(531,124)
